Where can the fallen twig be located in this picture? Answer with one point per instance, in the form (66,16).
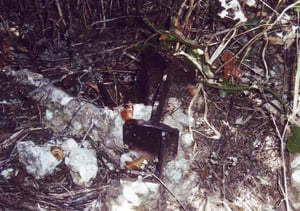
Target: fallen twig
(284,167)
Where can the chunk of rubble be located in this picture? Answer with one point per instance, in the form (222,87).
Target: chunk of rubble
(72,116)
(67,114)
(82,162)
(75,118)
(40,162)
(136,195)
(295,174)
(141,111)
(7,173)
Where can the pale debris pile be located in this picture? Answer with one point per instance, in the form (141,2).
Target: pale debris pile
(75,118)
(82,162)
(177,175)
(135,195)
(42,160)
(38,160)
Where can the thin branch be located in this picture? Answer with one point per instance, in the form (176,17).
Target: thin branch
(284,168)
(57,3)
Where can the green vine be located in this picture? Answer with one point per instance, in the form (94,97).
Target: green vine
(173,35)
(227,87)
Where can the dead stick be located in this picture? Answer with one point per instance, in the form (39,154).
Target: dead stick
(60,12)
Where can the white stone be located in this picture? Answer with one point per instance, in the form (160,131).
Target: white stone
(251,3)
(83,165)
(296,162)
(7,173)
(38,160)
(187,140)
(139,191)
(69,144)
(296,178)
(49,115)
(141,111)
(234,160)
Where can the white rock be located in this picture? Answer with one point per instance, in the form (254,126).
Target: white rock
(233,160)
(296,162)
(187,140)
(139,191)
(60,97)
(49,114)
(295,175)
(63,111)
(69,144)
(7,173)
(257,142)
(38,160)
(296,178)
(141,111)
(83,165)
(251,3)
(73,116)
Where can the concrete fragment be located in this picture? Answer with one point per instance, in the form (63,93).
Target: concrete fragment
(82,162)
(38,160)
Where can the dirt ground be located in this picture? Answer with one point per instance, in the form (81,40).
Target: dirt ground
(91,50)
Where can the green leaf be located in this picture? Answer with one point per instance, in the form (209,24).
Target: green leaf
(297,7)
(293,142)
(252,22)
